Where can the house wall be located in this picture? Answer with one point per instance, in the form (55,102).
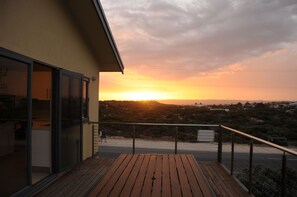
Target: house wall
(43,30)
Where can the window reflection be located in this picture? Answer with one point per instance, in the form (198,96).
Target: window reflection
(70,139)
(13,125)
(85,99)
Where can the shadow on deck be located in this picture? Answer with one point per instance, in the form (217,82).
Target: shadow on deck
(79,181)
(146,175)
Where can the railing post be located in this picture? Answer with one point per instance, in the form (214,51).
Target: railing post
(251,167)
(232,153)
(93,144)
(175,147)
(284,171)
(133,151)
(77,151)
(220,145)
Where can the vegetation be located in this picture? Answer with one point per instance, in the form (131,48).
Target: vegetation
(267,182)
(259,119)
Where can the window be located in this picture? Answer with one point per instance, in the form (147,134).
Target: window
(85,110)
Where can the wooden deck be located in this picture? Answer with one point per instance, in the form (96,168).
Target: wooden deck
(222,183)
(153,175)
(146,175)
(79,181)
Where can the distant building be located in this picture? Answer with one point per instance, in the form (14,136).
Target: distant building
(198,105)
(294,104)
(219,109)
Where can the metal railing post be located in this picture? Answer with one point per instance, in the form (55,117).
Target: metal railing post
(284,171)
(175,147)
(77,151)
(93,144)
(133,151)
(220,145)
(251,167)
(232,153)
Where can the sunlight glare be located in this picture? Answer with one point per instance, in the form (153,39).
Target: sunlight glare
(143,96)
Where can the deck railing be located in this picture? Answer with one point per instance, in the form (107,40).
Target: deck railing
(252,141)
(222,131)
(95,127)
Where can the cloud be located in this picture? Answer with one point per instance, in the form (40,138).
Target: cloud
(188,38)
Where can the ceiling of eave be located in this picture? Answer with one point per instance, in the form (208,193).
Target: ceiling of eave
(85,16)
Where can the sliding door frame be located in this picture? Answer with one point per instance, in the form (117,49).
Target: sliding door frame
(16,57)
(80,77)
(55,116)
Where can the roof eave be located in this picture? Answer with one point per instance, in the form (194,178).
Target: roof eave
(108,33)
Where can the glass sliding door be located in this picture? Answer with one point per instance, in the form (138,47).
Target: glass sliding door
(14,125)
(70,119)
(41,122)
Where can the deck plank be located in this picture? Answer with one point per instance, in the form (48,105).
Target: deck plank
(110,173)
(101,173)
(213,181)
(174,180)
(229,181)
(79,181)
(136,191)
(157,190)
(118,186)
(199,176)
(90,177)
(184,183)
(220,180)
(166,191)
(62,184)
(132,177)
(146,175)
(165,175)
(149,177)
(196,191)
(223,183)
(106,189)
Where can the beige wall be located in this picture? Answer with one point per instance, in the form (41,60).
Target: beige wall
(43,30)
(94,113)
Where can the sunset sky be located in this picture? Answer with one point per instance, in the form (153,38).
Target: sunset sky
(200,49)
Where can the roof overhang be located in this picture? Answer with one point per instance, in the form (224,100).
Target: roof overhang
(89,17)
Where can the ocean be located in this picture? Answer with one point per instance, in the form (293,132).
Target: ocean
(207,102)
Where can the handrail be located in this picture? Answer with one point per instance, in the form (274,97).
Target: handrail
(205,125)
(158,124)
(260,140)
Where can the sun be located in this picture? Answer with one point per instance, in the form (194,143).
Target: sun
(143,95)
